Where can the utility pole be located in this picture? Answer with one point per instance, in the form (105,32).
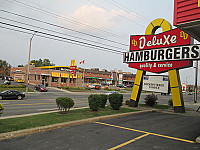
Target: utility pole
(196,75)
(28,67)
(186,82)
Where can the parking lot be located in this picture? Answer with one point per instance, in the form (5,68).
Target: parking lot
(147,131)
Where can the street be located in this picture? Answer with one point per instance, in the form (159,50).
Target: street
(35,102)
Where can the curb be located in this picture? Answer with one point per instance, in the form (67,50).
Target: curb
(14,134)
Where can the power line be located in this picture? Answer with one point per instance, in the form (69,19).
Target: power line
(123,17)
(58,40)
(60,33)
(117,4)
(68,19)
(63,38)
(51,24)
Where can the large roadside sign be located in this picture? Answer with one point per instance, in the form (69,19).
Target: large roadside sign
(155,49)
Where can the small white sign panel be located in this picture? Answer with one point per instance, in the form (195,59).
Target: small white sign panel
(156,83)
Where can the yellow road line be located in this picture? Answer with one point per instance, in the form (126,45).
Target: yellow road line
(128,142)
(160,135)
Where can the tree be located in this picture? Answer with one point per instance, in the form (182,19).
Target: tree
(4,68)
(40,62)
(20,66)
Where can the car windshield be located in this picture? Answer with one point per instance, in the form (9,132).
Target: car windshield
(42,86)
(5,91)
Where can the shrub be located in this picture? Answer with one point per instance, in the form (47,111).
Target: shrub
(103,100)
(151,99)
(170,102)
(64,103)
(1,109)
(94,101)
(13,86)
(58,102)
(115,101)
(127,102)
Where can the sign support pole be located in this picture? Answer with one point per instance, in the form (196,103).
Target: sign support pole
(137,88)
(177,96)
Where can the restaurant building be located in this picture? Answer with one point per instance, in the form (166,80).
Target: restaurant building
(187,17)
(55,76)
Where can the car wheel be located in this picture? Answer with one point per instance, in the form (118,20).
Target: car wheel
(1,97)
(19,97)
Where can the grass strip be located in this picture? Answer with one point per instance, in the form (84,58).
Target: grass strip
(17,89)
(14,124)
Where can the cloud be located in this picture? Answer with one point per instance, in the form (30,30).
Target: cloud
(97,17)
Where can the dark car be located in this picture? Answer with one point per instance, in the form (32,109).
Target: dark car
(12,94)
(8,78)
(98,87)
(41,88)
(6,82)
(121,86)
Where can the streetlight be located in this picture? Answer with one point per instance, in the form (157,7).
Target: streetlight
(29,56)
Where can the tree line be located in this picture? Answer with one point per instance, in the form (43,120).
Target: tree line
(5,66)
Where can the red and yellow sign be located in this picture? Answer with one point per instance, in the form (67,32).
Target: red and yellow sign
(166,39)
(170,38)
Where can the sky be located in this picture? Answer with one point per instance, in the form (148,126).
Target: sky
(90,30)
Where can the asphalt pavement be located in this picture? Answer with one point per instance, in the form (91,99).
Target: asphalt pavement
(146,131)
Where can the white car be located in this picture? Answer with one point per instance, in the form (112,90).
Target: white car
(91,86)
(112,92)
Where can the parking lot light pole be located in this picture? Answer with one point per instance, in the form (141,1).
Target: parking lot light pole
(29,56)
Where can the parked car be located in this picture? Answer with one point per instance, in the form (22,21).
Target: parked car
(98,87)
(12,94)
(104,83)
(91,86)
(190,93)
(8,78)
(121,86)
(112,92)
(19,80)
(41,88)
(6,82)
(129,86)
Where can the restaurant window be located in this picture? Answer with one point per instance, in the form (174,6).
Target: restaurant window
(54,79)
(35,77)
(38,77)
(63,80)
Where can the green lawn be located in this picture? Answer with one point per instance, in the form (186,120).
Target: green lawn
(14,124)
(17,89)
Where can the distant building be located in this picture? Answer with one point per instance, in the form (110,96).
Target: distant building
(55,75)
